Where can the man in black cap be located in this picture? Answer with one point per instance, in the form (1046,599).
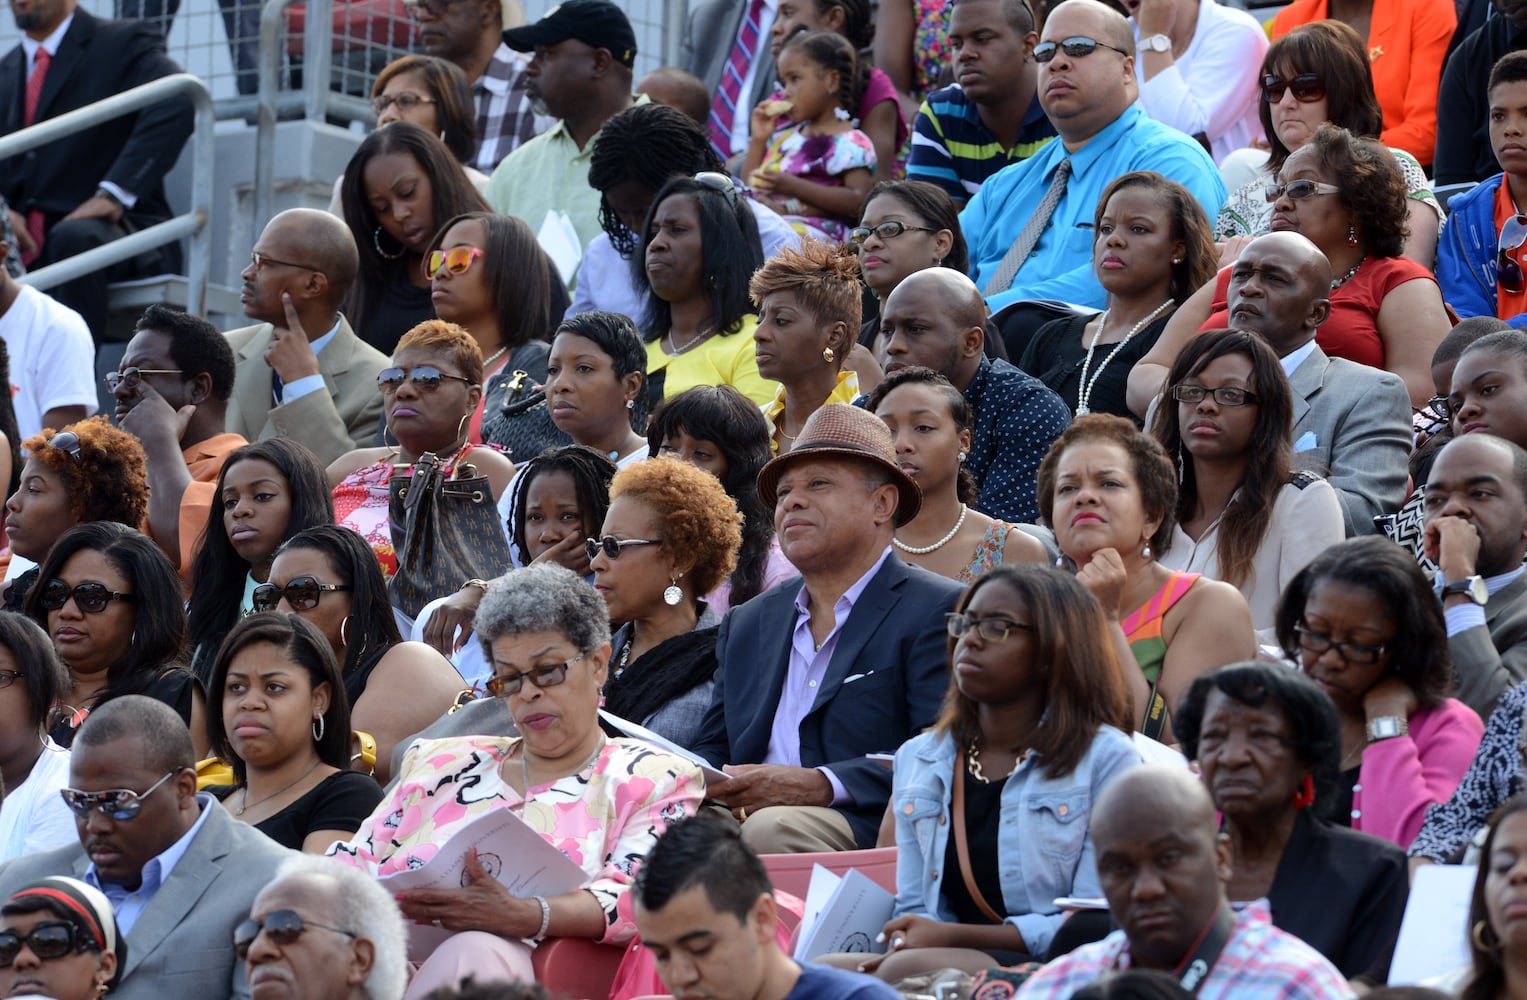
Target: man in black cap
(581,75)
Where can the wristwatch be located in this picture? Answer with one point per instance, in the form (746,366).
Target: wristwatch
(1472,587)
(1387,727)
(1157,43)
(105,192)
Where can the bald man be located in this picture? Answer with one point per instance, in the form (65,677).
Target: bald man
(1163,865)
(1089,94)
(936,318)
(1351,422)
(302,373)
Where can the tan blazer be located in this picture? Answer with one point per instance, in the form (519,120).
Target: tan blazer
(331,423)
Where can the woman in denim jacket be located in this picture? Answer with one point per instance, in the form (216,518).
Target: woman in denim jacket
(1034,725)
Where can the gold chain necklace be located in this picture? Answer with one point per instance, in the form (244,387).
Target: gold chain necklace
(973,763)
(247,804)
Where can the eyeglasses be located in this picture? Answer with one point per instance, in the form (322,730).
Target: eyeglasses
(886,231)
(405,101)
(1077,46)
(504,685)
(1359,653)
(1307,87)
(1225,395)
(301,593)
(8,677)
(50,940)
(456,260)
(130,377)
(1441,407)
(1508,273)
(1299,190)
(426,378)
(990,629)
(90,597)
(118,803)
(718,182)
(259,260)
(282,926)
(66,441)
(611,546)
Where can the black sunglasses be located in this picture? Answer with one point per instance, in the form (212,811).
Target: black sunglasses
(300,592)
(90,597)
(426,378)
(1307,88)
(611,546)
(66,441)
(50,940)
(1508,273)
(1077,46)
(282,926)
(720,182)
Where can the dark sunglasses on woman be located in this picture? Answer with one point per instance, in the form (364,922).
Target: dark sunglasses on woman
(90,597)
(426,378)
(301,594)
(50,940)
(1307,87)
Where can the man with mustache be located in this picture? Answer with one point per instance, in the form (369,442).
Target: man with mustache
(301,371)
(179,871)
(1163,865)
(1029,227)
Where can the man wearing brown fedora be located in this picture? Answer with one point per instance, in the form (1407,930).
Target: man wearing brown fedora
(817,674)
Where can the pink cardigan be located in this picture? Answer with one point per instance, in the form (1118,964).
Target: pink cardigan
(1407,774)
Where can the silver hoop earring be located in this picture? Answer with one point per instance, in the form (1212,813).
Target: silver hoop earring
(318,729)
(376,241)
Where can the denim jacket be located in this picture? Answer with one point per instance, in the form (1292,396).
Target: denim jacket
(1043,851)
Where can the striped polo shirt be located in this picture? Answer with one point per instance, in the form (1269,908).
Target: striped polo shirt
(953,149)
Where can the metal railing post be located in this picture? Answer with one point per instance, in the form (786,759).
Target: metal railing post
(196,223)
(317,57)
(271,18)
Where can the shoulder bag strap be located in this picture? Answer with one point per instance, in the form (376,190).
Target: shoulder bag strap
(962,846)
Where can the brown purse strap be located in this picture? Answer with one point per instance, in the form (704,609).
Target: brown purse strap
(961,844)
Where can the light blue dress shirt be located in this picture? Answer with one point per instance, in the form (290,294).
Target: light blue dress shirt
(309,383)
(129,904)
(1060,266)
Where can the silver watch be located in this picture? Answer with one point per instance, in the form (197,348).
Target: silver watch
(1387,727)
(1157,43)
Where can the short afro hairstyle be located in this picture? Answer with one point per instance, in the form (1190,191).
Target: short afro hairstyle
(107,480)
(700,521)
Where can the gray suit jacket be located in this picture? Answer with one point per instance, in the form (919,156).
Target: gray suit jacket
(1352,426)
(709,36)
(347,416)
(181,945)
(1489,659)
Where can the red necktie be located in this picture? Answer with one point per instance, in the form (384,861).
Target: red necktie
(34,92)
(724,106)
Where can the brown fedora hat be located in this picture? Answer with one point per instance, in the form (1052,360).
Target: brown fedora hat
(839,430)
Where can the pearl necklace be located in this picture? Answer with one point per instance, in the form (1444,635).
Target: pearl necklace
(487,365)
(1085,394)
(1351,272)
(922,550)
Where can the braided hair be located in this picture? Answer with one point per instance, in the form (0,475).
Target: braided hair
(590,472)
(650,144)
(832,51)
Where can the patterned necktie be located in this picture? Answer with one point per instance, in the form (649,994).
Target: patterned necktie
(723,109)
(34,84)
(1019,252)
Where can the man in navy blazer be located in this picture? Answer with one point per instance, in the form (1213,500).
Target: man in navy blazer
(818,673)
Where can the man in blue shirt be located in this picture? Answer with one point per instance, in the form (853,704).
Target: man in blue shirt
(1089,95)
(180,872)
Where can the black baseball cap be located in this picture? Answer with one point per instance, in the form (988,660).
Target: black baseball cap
(594,22)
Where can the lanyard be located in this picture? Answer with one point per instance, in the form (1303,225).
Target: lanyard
(1206,950)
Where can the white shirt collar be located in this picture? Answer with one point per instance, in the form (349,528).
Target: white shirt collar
(1292,360)
(50,43)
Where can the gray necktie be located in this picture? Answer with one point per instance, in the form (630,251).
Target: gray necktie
(1024,244)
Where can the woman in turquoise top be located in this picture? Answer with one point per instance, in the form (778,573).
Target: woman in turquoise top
(1033,727)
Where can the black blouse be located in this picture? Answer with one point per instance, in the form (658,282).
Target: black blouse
(342,801)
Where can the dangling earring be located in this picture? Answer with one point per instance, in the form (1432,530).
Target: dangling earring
(1352,236)
(672,595)
(460,427)
(1179,463)
(376,241)
(938,262)
(344,640)
(1305,796)
(828,355)
(318,729)
(1145,551)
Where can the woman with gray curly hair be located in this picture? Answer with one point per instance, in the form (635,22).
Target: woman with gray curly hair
(603,802)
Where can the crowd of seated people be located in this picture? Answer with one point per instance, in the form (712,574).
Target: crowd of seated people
(1049,457)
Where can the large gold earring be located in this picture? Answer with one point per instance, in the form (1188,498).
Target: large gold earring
(828,355)
(1478,934)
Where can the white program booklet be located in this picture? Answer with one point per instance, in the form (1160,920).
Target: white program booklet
(510,851)
(1433,937)
(640,732)
(843,914)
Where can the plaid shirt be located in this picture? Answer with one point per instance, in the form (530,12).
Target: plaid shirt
(505,118)
(1259,962)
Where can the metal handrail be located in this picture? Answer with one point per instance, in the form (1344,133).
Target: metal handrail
(197,223)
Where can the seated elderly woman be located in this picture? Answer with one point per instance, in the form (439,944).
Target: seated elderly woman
(670,536)
(32,767)
(604,802)
(1266,740)
(430,394)
(1362,620)
(89,471)
(59,939)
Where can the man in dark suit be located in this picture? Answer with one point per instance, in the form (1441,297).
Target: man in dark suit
(820,672)
(1476,533)
(101,183)
(179,871)
(714,30)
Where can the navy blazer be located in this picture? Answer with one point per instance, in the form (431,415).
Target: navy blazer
(884,685)
(96,59)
